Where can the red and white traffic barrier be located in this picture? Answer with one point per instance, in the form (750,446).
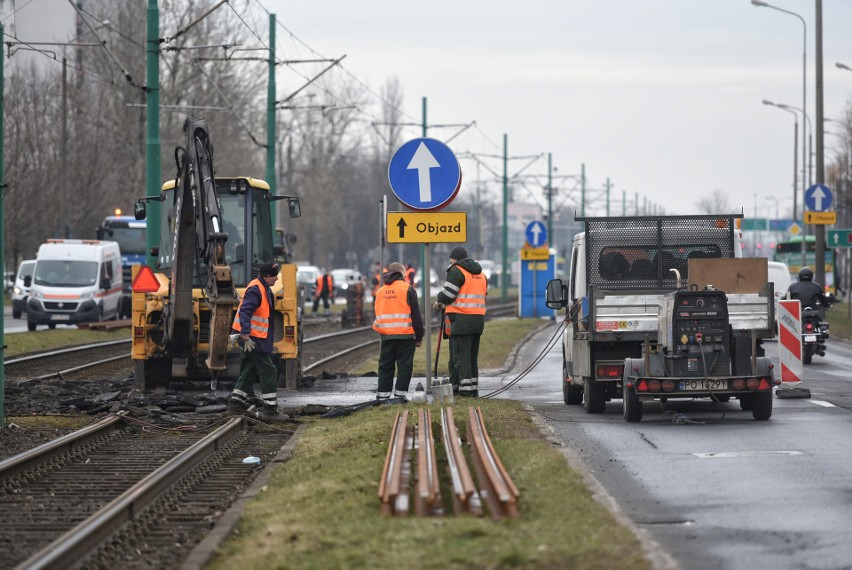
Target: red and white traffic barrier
(789,316)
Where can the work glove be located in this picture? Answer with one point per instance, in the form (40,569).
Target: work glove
(248,345)
(438,306)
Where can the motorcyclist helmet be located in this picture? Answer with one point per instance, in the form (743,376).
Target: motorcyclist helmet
(805,274)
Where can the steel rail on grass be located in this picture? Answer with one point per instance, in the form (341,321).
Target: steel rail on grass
(428,495)
(393,487)
(76,544)
(501,494)
(465,496)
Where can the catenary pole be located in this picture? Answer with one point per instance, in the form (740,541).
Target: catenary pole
(426,286)
(152,140)
(820,148)
(271,133)
(504,278)
(550,235)
(2,245)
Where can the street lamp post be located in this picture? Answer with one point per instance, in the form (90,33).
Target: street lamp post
(762,4)
(795,153)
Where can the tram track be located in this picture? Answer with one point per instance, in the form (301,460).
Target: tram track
(119,491)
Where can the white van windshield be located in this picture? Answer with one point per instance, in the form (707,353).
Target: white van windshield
(66,273)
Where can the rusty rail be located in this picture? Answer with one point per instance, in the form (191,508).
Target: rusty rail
(428,494)
(500,493)
(464,494)
(393,487)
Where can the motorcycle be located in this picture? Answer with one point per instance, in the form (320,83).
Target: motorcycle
(815,332)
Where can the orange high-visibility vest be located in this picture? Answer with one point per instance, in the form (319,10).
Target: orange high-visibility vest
(409,275)
(328,285)
(260,317)
(393,314)
(470,300)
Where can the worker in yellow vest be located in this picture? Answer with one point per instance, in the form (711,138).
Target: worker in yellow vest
(399,322)
(462,298)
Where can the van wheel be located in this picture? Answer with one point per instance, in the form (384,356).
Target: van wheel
(16,313)
(51,326)
(31,326)
(571,393)
(595,395)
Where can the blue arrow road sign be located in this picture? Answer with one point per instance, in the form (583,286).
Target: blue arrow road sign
(536,234)
(424,174)
(818,198)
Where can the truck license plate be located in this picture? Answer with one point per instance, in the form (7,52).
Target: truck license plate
(810,338)
(703,385)
(58,317)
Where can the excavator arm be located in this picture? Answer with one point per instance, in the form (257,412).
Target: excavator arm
(199,242)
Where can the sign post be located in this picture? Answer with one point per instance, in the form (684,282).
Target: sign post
(425,175)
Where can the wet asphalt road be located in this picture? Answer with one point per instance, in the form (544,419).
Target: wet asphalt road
(721,490)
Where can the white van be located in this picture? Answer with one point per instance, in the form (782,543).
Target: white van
(21,291)
(75,281)
(781,278)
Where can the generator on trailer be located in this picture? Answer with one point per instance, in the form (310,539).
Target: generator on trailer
(664,307)
(215,233)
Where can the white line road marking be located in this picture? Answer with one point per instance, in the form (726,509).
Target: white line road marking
(726,454)
(822,403)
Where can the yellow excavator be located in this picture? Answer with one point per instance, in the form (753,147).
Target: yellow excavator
(215,233)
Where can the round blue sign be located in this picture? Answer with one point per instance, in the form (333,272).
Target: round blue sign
(424,174)
(536,233)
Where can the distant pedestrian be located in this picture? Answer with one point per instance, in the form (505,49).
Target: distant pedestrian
(324,291)
(462,298)
(410,272)
(399,322)
(255,325)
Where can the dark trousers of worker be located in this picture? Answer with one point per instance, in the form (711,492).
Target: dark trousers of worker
(257,367)
(399,353)
(324,298)
(464,364)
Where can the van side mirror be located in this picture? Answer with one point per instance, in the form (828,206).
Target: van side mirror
(28,280)
(105,283)
(555,295)
(140,210)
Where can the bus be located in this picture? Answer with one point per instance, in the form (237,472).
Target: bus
(790,252)
(131,238)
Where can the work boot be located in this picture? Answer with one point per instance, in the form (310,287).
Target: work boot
(270,414)
(236,408)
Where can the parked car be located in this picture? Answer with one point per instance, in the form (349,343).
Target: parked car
(343,279)
(8,282)
(21,290)
(487,266)
(307,275)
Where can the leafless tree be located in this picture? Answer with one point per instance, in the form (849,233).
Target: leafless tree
(716,203)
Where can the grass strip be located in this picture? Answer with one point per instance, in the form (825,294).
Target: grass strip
(22,343)
(321,508)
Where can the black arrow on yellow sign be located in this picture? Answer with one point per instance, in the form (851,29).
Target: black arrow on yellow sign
(401,225)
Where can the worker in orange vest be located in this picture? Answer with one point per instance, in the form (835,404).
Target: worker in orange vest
(324,290)
(376,281)
(399,322)
(255,326)
(409,274)
(462,298)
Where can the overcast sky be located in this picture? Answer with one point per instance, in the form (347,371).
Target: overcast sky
(661,96)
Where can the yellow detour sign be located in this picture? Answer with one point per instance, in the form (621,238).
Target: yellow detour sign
(535,253)
(427,227)
(820,218)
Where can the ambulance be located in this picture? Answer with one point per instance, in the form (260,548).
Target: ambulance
(75,281)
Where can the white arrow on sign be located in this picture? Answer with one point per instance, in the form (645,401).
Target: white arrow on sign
(818,195)
(536,231)
(423,160)
(836,238)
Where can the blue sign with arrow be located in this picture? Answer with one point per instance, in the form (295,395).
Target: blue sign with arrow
(424,174)
(818,198)
(536,233)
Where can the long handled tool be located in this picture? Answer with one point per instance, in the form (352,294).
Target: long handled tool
(440,336)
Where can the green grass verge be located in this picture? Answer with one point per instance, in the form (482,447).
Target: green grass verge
(21,343)
(51,422)
(498,340)
(321,510)
(841,324)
